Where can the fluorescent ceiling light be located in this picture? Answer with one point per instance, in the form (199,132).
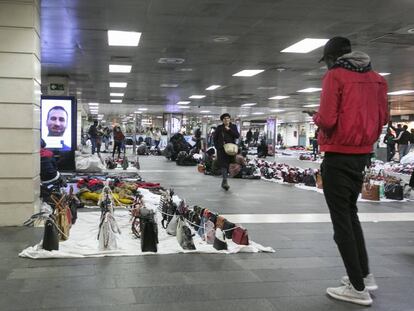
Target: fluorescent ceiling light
(311,105)
(117,84)
(168,85)
(116,100)
(197,96)
(248,73)
(258,113)
(402,92)
(305,46)
(143,109)
(184,107)
(384,73)
(183,103)
(249,104)
(159,117)
(213,87)
(123,38)
(93,104)
(242,115)
(205,111)
(116,94)
(120,68)
(279,97)
(138,112)
(277,110)
(310,90)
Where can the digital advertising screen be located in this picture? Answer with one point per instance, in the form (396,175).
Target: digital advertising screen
(58,125)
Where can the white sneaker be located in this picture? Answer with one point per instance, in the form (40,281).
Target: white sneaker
(350,294)
(369,282)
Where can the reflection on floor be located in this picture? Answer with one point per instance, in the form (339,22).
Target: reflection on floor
(294,278)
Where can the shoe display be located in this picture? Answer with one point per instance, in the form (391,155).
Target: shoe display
(350,294)
(369,282)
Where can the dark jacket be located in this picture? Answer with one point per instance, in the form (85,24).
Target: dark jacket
(223,136)
(353,108)
(404,138)
(93,131)
(48,167)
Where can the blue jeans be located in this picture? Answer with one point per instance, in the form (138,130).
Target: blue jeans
(93,141)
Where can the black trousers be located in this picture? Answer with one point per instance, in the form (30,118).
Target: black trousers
(342,176)
(390,152)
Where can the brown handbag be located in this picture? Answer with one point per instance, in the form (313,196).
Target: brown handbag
(201,168)
(319,183)
(370,192)
(220,222)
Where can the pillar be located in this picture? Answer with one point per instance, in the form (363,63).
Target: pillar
(19,110)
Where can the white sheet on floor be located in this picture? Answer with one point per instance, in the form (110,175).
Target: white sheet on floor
(83,238)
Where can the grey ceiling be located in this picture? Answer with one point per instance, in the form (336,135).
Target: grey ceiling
(74,44)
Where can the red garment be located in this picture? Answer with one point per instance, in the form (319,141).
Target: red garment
(148,185)
(44,153)
(353,109)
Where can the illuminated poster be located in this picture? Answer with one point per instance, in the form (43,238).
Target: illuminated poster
(57,127)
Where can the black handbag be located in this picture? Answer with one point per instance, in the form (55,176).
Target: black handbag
(149,231)
(394,191)
(220,240)
(50,236)
(228,228)
(309,180)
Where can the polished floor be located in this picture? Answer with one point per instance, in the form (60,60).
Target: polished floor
(293,278)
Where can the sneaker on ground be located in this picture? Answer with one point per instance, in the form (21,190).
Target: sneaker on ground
(350,294)
(369,282)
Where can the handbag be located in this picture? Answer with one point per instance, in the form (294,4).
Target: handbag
(394,191)
(149,231)
(230,149)
(50,236)
(370,191)
(201,168)
(172,226)
(240,236)
(228,228)
(184,235)
(220,222)
(234,169)
(209,233)
(220,240)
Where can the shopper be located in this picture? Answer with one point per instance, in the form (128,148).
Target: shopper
(118,140)
(225,133)
(315,146)
(93,135)
(249,136)
(403,138)
(256,136)
(353,109)
(390,142)
(157,137)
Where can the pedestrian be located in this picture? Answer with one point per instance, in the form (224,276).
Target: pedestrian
(157,137)
(353,109)
(118,141)
(390,142)
(225,133)
(403,138)
(93,135)
(249,136)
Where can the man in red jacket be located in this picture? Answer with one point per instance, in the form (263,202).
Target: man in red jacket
(353,109)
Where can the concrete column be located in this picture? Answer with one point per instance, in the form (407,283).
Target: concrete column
(19,110)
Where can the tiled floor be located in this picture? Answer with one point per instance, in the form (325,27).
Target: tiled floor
(294,278)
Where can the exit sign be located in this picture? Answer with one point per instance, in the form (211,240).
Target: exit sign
(57,87)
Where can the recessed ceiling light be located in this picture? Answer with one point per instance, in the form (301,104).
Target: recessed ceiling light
(213,87)
(278,97)
(310,105)
(205,111)
(184,107)
(310,90)
(168,85)
(183,103)
(257,113)
(249,104)
(248,73)
(384,73)
(116,94)
(402,92)
(159,117)
(197,96)
(142,109)
(93,104)
(116,100)
(138,112)
(120,68)
(242,115)
(117,84)
(277,110)
(123,38)
(305,46)
(266,87)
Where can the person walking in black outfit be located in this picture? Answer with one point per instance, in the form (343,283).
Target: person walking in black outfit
(403,138)
(249,136)
(225,133)
(93,135)
(390,142)
(353,109)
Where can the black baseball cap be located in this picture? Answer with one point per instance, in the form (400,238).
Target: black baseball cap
(224,115)
(337,46)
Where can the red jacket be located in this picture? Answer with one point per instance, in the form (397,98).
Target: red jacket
(353,109)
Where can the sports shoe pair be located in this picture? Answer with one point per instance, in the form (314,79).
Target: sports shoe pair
(350,294)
